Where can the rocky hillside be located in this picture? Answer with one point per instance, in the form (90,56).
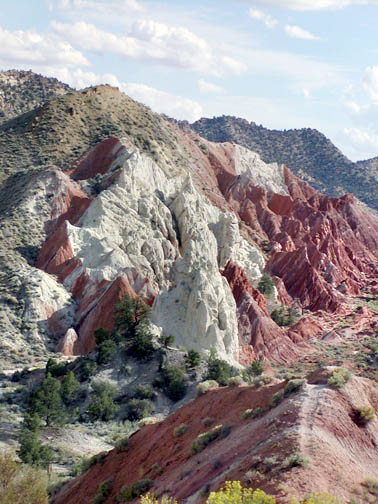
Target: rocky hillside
(158,213)
(21,91)
(307,152)
(239,260)
(284,438)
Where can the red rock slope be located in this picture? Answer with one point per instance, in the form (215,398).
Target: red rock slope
(316,422)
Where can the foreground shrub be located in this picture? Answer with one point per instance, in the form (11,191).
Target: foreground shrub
(219,370)
(150,499)
(131,492)
(122,444)
(295,460)
(365,414)
(21,484)
(204,439)
(253,413)
(104,490)
(339,377)
(293,386)
(203,387)
(174,382)
(234,493)
(180,430)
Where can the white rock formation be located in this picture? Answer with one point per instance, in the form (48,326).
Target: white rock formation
(249,165)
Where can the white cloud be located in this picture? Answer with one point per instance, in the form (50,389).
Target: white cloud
(174,46)
(160,101)
(313,5)
(209,88)
(99,7)
(298,32)
(370,82)
(262,16)
(29,48)
(362,138)
(174,106)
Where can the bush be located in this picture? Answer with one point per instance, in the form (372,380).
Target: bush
(253,413)
(219,370)
(102,406)
(101,335)
(166,341)
(234,493)
(277,398)
(69,388)
(293,386)
(47,401)
(54,368)
(365,414)
(131,492)
(235,381)
(204,439)
(88,368)
(122,445)
(192,359)
(144,392)
(21,483)
(150,499)
(106,351)
(180,430)
(203,387)
(266,285)
(104,490)
(295,460)
(140,345)
(339,378)
(32,451)
(138,409)
(174,382)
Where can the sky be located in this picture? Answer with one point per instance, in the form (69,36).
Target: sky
(280,63)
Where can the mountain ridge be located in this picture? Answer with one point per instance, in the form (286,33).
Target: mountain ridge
(307,152)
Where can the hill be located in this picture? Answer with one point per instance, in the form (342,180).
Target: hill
(21,91)
(307,152)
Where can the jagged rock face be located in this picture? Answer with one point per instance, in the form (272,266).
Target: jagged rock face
(316,422)
(318,249)
(167,243)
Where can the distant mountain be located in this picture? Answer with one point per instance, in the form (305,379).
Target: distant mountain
(21,91)
(307,152)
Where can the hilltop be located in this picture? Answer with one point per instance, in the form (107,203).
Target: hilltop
(21,91)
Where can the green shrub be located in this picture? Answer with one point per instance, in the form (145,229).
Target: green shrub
(166,340)
(174,382)
(180,430)
(253,413)
(266,285)
(131,492)
(219,370)
(122,444)
(235,381)
(104,490)
(204,439)
(293,386)
(277,398)
(365,414)
(20,483)
(138,409)
(91,461)
(102,406)
(192,359)
(144,392)
(295,460)
(339,377)
(106,351)
(88,368)
(140,345)
(101,335)
(204,386)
